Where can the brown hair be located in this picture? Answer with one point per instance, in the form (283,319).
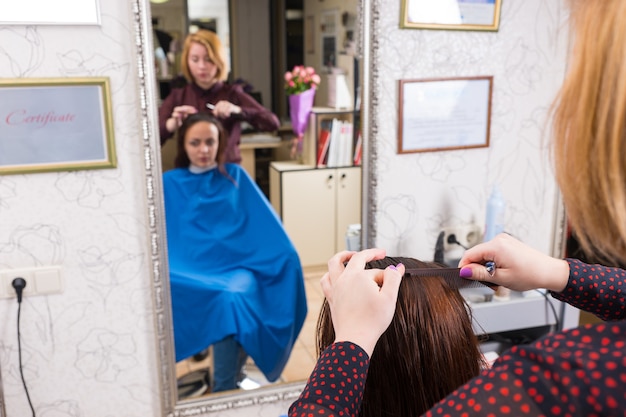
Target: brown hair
(214,49)
(182,159)
(589,146)
(427,352)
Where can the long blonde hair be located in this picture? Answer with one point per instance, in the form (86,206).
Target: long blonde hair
(589,145)
(215,51)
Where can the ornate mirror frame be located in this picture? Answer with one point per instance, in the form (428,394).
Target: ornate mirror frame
(368,12)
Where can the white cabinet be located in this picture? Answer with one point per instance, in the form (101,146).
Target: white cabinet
(316,207)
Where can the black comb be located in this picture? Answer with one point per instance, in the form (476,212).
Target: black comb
(450,275)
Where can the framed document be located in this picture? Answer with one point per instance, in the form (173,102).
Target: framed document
(46,12)
(55,124)
(451,14)
(444,114)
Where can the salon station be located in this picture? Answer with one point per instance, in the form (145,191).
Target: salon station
(424,136)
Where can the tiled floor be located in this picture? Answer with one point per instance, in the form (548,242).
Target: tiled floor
(303,355)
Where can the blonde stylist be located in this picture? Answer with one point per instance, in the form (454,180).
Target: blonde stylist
(205,68)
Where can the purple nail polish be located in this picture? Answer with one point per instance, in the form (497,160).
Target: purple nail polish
(392,267)
(466,273)
(399,265)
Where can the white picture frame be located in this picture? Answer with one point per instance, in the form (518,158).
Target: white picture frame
(46,12)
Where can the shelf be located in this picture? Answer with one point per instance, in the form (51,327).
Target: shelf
(320,115)
(525,310)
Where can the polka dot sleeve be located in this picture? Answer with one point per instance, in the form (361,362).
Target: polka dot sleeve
(580,372)
(577,372)
(596,289)
(335,387)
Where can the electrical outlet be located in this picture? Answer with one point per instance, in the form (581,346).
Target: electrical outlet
(7,277)
(39,281)
(467,235)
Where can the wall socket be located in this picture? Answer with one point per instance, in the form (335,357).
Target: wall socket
(467,235)
(39,281)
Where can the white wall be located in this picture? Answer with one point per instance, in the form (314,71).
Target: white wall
(89,351)
(417,194)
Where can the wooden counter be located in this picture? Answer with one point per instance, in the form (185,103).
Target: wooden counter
(250,142)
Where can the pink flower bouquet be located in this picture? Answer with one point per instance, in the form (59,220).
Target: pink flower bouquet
(300,85)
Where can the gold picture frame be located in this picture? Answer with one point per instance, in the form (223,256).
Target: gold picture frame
(55,124)
(451,14)
(444,114)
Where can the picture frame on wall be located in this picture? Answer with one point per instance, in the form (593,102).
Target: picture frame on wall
(451,14)
(444,114)
(55,124)
(46,12)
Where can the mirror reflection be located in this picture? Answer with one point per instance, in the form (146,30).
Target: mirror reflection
(244,48)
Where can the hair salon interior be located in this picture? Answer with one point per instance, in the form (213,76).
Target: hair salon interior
(95,327)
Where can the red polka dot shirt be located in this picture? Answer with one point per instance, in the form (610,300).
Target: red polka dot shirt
(577,372)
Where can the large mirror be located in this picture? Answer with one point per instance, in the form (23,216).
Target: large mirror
(278,21)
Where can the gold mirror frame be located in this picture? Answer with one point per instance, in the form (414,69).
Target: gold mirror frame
(171,406)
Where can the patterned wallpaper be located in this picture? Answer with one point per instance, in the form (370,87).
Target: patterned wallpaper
(90,350)
(418,194)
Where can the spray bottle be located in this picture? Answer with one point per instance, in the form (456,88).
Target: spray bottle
(494,222)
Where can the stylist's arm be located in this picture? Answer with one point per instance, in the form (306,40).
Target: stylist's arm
(362,302)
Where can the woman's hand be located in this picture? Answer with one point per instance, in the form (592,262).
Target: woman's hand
(224,109)
(362,301)
(518,266)
(179,114)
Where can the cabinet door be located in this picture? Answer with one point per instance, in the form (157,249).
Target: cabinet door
(348,203)
(308,213)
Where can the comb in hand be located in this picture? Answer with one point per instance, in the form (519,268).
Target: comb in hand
(451,276)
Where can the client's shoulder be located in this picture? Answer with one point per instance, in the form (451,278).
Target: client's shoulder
(234,169)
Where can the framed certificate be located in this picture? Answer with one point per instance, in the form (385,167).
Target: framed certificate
(444,114)
(55,124)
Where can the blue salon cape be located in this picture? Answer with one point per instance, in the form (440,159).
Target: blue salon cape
(233,269)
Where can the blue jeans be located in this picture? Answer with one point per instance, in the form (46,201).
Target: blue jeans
(228,361)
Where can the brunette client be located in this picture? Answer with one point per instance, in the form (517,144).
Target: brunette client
(428,351)
(235,277)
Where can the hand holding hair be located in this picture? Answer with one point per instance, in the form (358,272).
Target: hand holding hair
(362,302)
(179,113)
(519,267)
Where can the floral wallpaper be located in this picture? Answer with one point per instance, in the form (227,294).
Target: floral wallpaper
(418,194)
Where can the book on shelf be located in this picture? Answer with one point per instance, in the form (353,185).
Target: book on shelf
(358,150)
(347,144)
(331,160)
(340,149)
(323,142)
